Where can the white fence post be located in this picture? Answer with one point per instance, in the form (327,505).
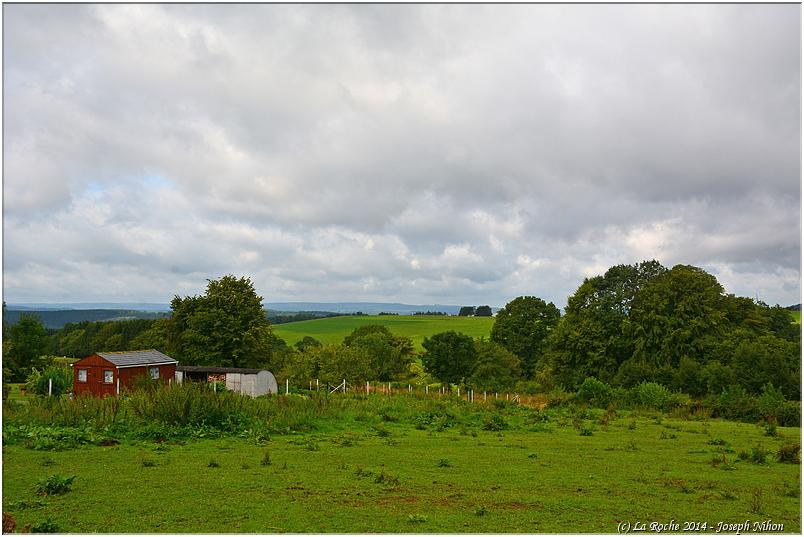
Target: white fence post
(316,384)
(367,386)
(287,386)
(484,395)
(344,385)
(50,386)
(215,386)
(118,385)
(426,389)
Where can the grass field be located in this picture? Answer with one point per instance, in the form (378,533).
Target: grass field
(542,472)
(416,327)
(796,316)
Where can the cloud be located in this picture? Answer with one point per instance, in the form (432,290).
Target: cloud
(450,153)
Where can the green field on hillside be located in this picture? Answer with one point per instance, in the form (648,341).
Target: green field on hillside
(454,470)
(416,327)
(796,316)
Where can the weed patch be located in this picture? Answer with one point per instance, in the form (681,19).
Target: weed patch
(54,484)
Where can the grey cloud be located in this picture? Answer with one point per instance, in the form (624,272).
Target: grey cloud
(415,153)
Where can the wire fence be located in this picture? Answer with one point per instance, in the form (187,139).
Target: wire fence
(421,390)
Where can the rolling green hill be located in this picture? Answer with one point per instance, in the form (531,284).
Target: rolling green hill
(796,316)
(416,327)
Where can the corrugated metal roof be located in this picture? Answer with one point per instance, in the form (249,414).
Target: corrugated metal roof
(136,357)
(205,369)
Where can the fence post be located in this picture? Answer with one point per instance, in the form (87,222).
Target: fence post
(389,388)
(344,385)
(287,386)
(459,392)
(506,397)
(408,388)
(484,395)
(118,385)
(215,386)
(50,386)
(316,384)
(367,386)
(426,389)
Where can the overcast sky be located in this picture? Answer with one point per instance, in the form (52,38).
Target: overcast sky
(414,153)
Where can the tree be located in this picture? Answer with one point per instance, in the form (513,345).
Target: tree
(338,363)
(483,311)
(591,340)
(449,356)
(306,342)
(28,341)
(466,311)
(522,327)
(496,368)
(391,355)
(673,314)
(224,327)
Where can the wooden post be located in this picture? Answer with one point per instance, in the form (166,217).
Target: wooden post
(409,390)
(506,397)
(367,386)
(287,386)
(459,391)
(484,395)
(118,385)
(215,386)
(50,386)
(316,384)
(427,389)
(389,388)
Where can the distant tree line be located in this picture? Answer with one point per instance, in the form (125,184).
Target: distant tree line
(634,324)
(476,311)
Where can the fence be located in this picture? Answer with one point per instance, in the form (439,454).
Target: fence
(421,390)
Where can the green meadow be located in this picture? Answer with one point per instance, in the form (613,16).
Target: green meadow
(416,327)
(796,316)
(408,464)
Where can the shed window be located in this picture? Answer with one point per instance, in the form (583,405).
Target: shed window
(154,373)
(82,375)
(108,376)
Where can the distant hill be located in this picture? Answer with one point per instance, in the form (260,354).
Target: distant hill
(128,306)
(371,308)
(58,318)
(795,307)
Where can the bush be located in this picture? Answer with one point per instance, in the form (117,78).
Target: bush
(54,484)
(790,453)
(61,376)
(594,392)
(771,401)
(494,422)
(735,403)
(650,395)
(790,414)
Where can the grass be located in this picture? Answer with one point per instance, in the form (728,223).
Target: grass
(796,316)
(416,327)
(360,481)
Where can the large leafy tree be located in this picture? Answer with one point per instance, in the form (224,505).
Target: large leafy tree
(522,327)
(28,342)
(496,368)
(224,327)
(391,355)
(592,339)
(449,356)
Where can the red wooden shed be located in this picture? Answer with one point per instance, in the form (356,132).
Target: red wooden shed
(106,373)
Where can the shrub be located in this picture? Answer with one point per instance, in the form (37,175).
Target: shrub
(594,392)
(586,431)
(790,414)
(213,464)
(759,454)
(770,402)
(46,526)
(147,463)
(443,463)
(735,403)
(650,395)
(494,422)
(61,377)
(266,459)
(54,484)
(790,453)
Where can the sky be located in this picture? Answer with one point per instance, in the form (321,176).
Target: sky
(452,154)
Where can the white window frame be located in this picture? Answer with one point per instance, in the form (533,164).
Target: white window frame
(82,375)
(154,372)
(110,378)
